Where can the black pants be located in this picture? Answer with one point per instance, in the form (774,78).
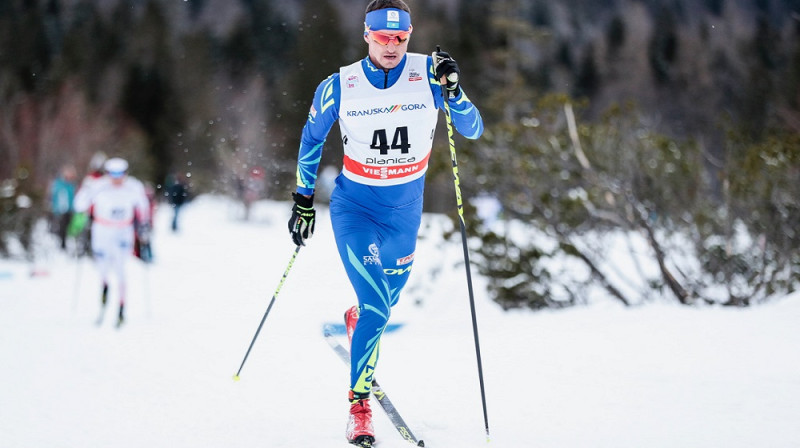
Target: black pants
(61,223)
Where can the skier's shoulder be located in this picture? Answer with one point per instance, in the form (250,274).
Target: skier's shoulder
(328,90)
(325,107)
(425,58)
(97,183)
(327,84)
(88,181)
(134,184)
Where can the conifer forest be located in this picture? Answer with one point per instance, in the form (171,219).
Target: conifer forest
(673,125)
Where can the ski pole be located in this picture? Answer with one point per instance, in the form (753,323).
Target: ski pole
(146,271)
(269,307)
(77,286)
(460,205)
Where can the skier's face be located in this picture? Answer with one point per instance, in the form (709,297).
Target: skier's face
(387,48)
(117,179)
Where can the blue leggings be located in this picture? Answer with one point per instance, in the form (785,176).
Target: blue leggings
(376,245)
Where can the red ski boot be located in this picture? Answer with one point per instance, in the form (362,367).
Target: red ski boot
(350,319)
(359,424)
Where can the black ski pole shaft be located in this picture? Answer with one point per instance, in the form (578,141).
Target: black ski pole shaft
(146,273)
(460,205)
(77,287)
(269,307)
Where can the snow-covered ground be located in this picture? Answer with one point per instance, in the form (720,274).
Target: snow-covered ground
(659,375)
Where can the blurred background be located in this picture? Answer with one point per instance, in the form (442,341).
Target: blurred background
(677,121)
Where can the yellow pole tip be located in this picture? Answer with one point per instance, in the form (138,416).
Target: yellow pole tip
(235,377)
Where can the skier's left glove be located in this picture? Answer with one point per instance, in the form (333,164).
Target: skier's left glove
(143,233)
(77,224)
(301,224)
(447,72)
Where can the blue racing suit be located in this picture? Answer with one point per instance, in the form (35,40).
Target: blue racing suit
(376,204)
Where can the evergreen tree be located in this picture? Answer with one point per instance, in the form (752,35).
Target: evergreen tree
(663,49)
(149,94)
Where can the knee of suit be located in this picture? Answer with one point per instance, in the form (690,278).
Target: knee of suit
(376,317)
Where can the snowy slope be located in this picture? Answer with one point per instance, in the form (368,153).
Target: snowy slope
(600,376)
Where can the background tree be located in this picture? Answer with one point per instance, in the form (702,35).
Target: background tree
(671,125)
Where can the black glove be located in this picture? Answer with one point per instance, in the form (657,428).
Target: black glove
(143,232)
(301,224)
(445,66)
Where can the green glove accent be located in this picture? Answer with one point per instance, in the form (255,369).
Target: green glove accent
(77,224)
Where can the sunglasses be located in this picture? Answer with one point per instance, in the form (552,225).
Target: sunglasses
(384,39)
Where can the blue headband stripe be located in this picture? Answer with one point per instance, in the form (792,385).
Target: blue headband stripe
(390,19)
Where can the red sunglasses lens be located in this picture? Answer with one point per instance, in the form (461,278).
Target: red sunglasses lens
(384,39)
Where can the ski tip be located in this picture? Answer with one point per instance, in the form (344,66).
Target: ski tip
(235,377)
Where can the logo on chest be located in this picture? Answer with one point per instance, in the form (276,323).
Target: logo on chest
(385,110)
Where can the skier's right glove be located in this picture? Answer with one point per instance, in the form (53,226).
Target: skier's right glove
(301,224)
(77,224)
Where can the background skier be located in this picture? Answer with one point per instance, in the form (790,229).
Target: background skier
(117,201)
(62,195)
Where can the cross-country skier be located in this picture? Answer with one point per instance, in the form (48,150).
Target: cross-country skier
(62,194)
(117,202)
(387,107)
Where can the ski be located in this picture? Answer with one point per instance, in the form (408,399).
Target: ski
(377,392)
